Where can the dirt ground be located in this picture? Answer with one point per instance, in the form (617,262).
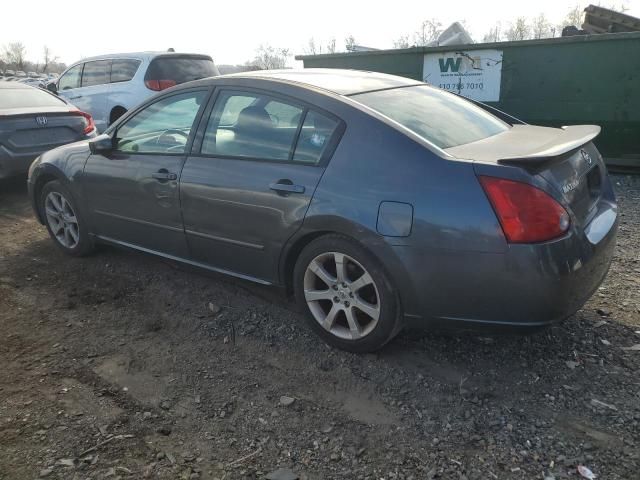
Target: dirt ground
(115,367)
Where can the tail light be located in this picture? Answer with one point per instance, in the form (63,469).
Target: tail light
(89,123)
(158,85)
(526,213)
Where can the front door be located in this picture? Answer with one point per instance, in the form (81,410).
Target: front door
(88,89)
(132,191)
(246,188)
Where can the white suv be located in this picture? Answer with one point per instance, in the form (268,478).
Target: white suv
(108,85)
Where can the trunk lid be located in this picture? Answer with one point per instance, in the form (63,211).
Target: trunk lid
(564,157)
(39,130)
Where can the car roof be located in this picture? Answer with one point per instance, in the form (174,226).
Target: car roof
(338,81)
(140,55)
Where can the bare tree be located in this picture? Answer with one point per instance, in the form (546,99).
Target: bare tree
(494,35)
(14,54)
(519,30)
(270,58)
(316,48)
(574,17)
(541,27)
(48,58)
(401,42)
(312,48)
(350,43)
(331,46)
(429,32)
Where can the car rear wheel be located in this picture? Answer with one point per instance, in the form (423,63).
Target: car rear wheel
(63,220)
(347,296)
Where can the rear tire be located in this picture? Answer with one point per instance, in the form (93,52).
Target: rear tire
(63,220)
(347,296)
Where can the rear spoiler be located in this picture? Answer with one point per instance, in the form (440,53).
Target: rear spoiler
(572,138)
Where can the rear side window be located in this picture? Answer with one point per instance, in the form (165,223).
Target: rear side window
(241,125)
(27,98)
(315,135)
(180,69)
(123,70)
(71,78)
(441,118)
(96,73)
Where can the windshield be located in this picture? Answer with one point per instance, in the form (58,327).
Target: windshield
(27,98)
(441,118)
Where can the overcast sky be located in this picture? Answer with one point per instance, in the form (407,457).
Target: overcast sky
(230,31)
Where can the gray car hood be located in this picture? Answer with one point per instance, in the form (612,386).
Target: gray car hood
(526,143)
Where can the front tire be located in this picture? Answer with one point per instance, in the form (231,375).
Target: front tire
(64,222)
(347,296)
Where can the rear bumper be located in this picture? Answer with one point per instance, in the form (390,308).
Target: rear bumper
(12,163)
(524,288)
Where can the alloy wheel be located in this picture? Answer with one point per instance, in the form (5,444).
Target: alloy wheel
(341,295)
(62,220)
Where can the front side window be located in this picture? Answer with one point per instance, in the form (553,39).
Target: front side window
(252,126)
(96,73)
(123,70)
(71,79)
(439,117)
(162,127)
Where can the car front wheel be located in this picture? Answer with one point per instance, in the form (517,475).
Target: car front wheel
(346,294)
(64,223)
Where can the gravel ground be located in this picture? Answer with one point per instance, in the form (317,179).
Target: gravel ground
(124,366)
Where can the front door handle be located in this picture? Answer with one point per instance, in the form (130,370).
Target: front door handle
(164,174)
(73,98)
(288,187)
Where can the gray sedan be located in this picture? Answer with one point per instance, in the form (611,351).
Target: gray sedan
(378,201)
(33,121)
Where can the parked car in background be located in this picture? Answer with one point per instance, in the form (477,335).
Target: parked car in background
(378,200)
(32,74)
(107,86)
(20,74)
(32,121)
(34,82)
(9,73)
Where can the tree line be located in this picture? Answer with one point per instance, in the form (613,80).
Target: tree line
(428,32)
(14,56)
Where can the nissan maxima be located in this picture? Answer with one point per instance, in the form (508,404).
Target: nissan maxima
(377,201)
(33,121)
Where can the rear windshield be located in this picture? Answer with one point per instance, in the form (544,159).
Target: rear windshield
(441,118)
(180,69)
(27,98)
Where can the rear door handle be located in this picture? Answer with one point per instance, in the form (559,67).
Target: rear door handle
(73,98)
(164,175)
(286,187)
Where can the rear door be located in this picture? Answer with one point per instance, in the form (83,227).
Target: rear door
(133,190)
(246,188)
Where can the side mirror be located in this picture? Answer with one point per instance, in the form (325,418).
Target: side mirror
(101,144)
(52,87)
